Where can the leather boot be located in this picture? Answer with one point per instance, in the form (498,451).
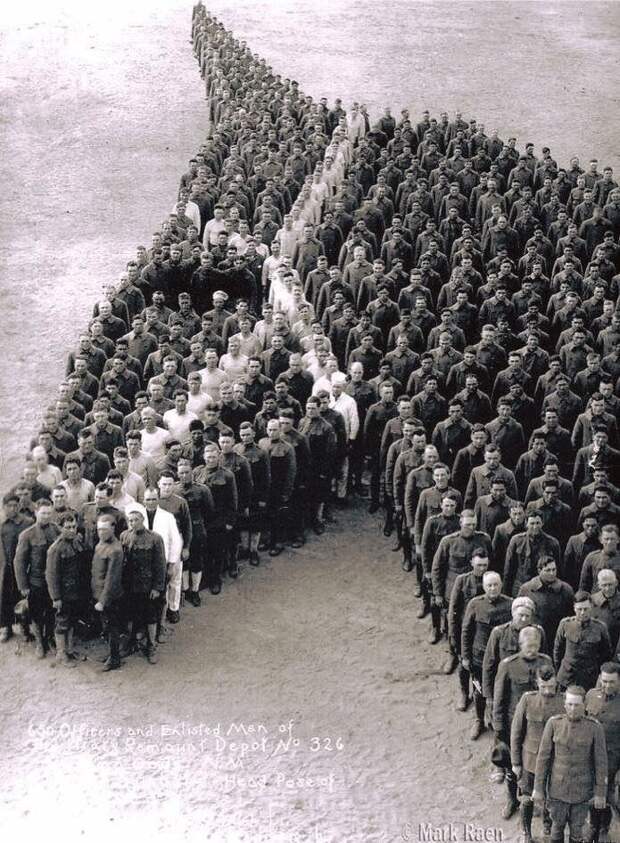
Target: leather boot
(39,649)
(62,657)
(527,812)
(512,803)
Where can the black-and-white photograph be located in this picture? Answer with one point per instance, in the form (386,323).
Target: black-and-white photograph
(310,429)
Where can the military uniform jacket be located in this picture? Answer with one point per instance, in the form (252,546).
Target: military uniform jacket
(282,469)
(144,568)
(107,572)
(240,468)
(579,650)
(607,711)
(200,502)
(435,529)
(481,616)
(515,676)
(223,487)
(31,555)
(531,714)
(607,610)
(453,557)
(553,601)
(465,588)
(522,557)
(503,642)
(572,760)
(63,571)
(260,468)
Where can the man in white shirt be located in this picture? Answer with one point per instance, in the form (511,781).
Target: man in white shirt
(346,406)
(79,490)
(197,399)
(119,498)
(287,236)
(214,228)
(48,475)
(212,376)
(324,381)
(133,484)
(153,438)
(178,420)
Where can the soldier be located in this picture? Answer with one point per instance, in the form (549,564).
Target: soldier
(322,443)
(144,581)
(445,523)
(200,503)
(223,487)
(571,767)
(453,557)
(552,598)
(377,418)
(107,587)
(606,604)
(581,645)
(417,480)
(603,703)
(261,481)
(516,675)
(239,467)
(282,470)
(524,551)
(296,525)
(408,460)
(481,616)
(531,715)
(13,524)
(63,574)
(466,587)
(29,563)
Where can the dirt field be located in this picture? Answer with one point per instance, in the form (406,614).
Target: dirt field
(317,708)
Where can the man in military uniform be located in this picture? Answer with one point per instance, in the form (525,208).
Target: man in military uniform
(29,563)
(524,551)
(322,443)
(261,481)
(453,557)
(581,645)
(223,487)
(144,581)
(603,703)
(466,587)
(14,523)
(530,717)
(239,467)
(407,461)
(282,469)
(552,598)
(481,616)
(107,587)
(63,574)
(606,604)
(200,503)
(516,675)
(571,767)
(377,418)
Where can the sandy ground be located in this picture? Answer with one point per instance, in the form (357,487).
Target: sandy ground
(313,661)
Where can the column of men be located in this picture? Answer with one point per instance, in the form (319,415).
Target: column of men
(419,297)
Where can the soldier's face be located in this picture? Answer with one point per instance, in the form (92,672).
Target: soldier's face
(492,587)
(135,521)
(583,611)
(574,705)
(547,687)
(610,684)
(479,564)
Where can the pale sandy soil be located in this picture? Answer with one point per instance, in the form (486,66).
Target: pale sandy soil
(99,116)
